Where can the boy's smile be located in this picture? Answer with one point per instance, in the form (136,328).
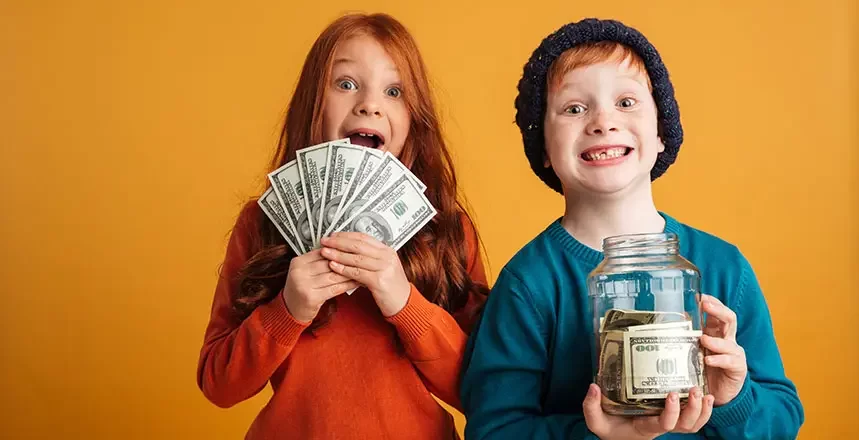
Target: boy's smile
(603,155)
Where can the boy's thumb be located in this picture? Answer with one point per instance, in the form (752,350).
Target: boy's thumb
(592,409)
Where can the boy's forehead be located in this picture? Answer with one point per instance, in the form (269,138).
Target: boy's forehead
(602,72)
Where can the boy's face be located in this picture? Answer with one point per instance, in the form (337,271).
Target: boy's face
(601,129)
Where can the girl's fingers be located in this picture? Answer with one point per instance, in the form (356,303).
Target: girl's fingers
(339,289)
(329,278)
(354,260)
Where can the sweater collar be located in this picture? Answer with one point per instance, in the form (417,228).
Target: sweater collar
(592,256)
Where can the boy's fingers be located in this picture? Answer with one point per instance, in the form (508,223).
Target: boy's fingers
(595,418)
(706,411)
(724,361)
(669,416)
(658,425)
(689,416)
(716,309)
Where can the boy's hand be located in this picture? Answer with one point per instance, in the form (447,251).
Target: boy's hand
(608,427)
(726,361)
(372,263)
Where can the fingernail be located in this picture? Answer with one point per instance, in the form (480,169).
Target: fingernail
(696,394)
(592,391)
(672,397)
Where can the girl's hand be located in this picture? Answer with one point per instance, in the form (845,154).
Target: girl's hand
(372,263)
(309,283)
(726,361)
(696,413)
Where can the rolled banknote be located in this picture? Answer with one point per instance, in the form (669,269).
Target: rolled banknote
(286,182)
(347,163)
(311,169)
(275,212)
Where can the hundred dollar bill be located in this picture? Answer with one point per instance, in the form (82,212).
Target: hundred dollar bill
(679,325)
(363,171)
(387,172)
(311,168)
(345,162)
(619,319)
(657,362)
(610,375)
(272,208)
(394,215)
(286,182)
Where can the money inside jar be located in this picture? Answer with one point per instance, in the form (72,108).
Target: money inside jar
(645,355)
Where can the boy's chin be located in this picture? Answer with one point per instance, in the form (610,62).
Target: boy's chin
(610,186)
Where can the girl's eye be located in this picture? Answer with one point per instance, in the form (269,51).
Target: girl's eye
(347,84)
(394,92)
(626,102)
(575,109)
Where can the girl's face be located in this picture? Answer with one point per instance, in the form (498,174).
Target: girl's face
(364,100)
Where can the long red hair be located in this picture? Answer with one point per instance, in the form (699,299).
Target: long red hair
(435,259)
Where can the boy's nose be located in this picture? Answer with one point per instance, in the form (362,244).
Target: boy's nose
(601,124)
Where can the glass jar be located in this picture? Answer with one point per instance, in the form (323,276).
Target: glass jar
(647,324)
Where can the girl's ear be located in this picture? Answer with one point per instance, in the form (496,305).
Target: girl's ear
(546,162)
(661,146)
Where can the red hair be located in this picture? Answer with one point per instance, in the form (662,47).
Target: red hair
(435,259)
(593,53)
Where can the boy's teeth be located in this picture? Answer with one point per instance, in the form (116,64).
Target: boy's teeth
(607,154)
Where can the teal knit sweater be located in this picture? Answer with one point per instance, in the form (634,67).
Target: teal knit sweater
(527,366)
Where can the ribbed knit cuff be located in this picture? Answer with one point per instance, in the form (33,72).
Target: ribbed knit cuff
(279,323)
(416,317)
(736,411)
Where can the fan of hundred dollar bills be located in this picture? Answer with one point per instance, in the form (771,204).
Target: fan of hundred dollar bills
(340,186)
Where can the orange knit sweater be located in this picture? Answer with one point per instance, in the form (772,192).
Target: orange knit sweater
(346,382)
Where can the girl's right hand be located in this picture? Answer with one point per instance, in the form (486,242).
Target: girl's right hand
(309,283)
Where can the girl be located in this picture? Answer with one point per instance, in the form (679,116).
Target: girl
(359,366)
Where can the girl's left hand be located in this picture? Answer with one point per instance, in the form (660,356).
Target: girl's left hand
(371,263)
(726,362)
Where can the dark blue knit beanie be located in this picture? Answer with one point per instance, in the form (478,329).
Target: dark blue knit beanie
(531,101)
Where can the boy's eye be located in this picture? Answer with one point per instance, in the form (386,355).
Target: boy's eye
(626,102)
(575,109)
(394,92)
(347,84)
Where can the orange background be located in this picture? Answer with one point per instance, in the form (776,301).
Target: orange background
(131,132)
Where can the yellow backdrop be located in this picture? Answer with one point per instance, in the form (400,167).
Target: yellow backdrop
(132,132)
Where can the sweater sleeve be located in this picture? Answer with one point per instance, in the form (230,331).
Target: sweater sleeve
(434,340)
(239,356)
(506,361)
(767,406)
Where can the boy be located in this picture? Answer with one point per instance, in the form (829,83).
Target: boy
(599,122)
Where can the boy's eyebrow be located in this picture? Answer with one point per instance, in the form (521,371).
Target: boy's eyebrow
(564,85)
